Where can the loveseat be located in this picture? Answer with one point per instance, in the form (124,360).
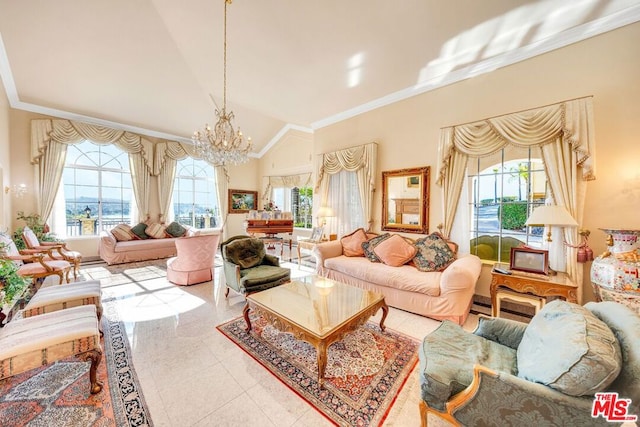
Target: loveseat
(444,293)
(130,244)
(548,372)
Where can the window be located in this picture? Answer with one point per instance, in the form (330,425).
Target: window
(298,201)
(504,189)
(344,198)
(195,199)
(96,189)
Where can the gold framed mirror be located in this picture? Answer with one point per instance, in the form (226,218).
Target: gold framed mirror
(405,200)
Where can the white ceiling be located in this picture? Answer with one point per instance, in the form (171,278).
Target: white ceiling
(149,66)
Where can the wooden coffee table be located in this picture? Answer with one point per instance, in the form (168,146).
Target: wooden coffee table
(316,310)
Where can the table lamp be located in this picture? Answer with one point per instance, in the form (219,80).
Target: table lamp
(550,215)
(323,213)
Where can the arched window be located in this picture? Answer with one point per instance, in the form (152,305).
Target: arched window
(195,200)
(96,191)
(504,189)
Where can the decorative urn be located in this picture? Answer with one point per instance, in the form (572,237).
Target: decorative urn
(614,274)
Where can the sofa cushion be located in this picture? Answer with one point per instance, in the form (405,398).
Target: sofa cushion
(175,230)
(568,348)
(156,231)
(371,244)
(352,243)
(138,230)
(122,233)
(246,253)
(447,357)
(395,251)
(433,253)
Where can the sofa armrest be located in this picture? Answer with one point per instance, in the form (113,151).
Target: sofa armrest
(461,275)
(498,398)
(107,240)
(503,331)
(325,250)
(271,260)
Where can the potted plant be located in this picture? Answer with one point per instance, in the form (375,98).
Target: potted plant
(35,223)
(11,282)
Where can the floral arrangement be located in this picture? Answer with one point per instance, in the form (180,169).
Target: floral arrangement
(270,207)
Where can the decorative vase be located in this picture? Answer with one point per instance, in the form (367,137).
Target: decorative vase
(614,274)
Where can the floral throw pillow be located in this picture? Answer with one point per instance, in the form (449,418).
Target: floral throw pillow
(371,244)
(434,254)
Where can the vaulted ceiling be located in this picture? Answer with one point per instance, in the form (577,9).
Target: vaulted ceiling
(150,66)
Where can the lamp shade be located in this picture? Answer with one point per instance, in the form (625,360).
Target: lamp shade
(551,215)
(325,212)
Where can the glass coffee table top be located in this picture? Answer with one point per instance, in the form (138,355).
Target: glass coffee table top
(316,304)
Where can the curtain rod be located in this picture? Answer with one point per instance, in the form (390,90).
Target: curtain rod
(517,112)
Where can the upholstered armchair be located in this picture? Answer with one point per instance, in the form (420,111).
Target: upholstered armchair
(194,262)
(57,251)
(36,264)
(544,373)
(248,268)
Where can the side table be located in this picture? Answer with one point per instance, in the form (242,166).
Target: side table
(543,286)
(306,244)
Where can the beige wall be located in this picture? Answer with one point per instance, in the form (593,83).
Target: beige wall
(607,67)
(5,164)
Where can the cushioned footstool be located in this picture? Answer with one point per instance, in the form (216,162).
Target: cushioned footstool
(31,342)
(58,297)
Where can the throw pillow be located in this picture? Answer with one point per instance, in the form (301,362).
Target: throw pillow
(138,231)
(175,230)
(395,251)
(122,233)
(568,348)
(371,244)
(433,253)
(156,231)
(352,243)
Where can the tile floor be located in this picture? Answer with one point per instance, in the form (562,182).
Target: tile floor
(191,375)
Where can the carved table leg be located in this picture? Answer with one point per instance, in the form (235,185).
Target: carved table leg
(322,362)
(245,314)
(95,356)
(385,311)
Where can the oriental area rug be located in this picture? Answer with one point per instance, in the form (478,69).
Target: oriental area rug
(58,394)
(365,371)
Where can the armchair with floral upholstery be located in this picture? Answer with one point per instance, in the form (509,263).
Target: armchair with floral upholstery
(508,373)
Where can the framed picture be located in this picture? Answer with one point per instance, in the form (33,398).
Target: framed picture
(413,181)
(530,260)
(241,201)
(316,234)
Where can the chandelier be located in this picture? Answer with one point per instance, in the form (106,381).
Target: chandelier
(222,145)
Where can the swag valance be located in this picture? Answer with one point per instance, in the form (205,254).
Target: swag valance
(287,181)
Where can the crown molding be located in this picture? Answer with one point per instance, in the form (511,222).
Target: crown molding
(565,38)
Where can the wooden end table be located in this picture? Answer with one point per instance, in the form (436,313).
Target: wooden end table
(316,310)
(543,286)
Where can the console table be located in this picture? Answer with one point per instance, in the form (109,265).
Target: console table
(543,286)
(270,228)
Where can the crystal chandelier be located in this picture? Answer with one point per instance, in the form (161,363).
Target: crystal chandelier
(222,145)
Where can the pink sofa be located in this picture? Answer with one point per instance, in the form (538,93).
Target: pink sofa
(195,260)
(439,295)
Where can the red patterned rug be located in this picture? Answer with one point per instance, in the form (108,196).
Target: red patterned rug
(58,394)
(365,371)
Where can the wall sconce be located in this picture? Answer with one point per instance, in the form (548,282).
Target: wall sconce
(18,190)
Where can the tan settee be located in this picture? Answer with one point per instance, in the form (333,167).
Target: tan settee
(438,295)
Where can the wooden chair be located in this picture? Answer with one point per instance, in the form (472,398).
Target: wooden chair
(57,250)
(34,265)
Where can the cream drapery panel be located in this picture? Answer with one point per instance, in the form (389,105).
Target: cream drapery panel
(288,181)
(49,140)
(565,133)
(362,160)
(165,161)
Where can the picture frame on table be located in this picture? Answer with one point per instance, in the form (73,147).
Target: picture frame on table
(316,234)
(242,201)
(530,260)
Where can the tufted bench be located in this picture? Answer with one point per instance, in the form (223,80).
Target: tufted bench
(58,297)
(31,342)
